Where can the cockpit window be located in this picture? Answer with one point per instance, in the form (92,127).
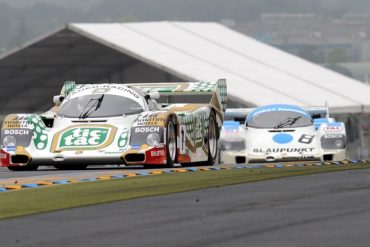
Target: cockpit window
(279,119)
(99,105)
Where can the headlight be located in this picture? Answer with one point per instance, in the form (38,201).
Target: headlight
(339,143)
(227,146)
(233,145)
(333,141)
(9,141)
(153,139)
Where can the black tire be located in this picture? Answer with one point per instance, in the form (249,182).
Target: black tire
(171,143)
(70,167)
(211,140)
(212,156)
(23,168)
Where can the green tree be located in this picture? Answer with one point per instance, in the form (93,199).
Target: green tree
(337,55)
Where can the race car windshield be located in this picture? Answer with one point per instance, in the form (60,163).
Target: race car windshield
(279,119)
(99,105)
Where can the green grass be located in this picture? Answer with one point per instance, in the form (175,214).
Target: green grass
(44,199)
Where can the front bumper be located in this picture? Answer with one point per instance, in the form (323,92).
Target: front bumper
(150,156)
(232,157)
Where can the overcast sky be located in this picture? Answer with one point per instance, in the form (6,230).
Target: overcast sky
(64,3)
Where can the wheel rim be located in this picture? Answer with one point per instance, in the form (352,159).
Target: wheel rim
(212,138)
(171,141)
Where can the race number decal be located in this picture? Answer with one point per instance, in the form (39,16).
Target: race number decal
(306,139)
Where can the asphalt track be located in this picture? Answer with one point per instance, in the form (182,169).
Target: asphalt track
(329,209)
(5,173)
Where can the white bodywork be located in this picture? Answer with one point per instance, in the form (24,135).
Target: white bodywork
(316,142)
(118,124)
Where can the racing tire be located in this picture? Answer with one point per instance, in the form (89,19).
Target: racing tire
(211,139)
(211,142)
(171,144)
(70,167)
(23,168)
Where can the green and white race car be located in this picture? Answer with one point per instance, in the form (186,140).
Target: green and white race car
(131,124)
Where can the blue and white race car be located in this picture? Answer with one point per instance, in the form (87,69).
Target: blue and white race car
(281,133)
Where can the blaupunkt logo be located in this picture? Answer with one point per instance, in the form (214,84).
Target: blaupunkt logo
(83,137)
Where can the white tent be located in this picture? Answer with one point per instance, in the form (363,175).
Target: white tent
(257,74)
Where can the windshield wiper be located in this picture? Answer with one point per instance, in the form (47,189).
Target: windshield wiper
(84,114)
(287,122)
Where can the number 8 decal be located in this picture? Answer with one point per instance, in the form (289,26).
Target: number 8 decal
(307,139)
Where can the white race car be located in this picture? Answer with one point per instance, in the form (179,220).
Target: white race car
(118,124)
(281,133)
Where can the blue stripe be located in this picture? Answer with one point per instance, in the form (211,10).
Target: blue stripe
(63,181)
(192,169)
(30,185)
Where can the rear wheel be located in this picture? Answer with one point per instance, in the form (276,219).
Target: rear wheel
(171,143)
(211,140)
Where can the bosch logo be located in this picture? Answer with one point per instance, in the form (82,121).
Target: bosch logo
(146,129)
(16,131)
(333,136)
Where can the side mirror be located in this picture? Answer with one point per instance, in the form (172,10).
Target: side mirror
(57,99)
(152,95)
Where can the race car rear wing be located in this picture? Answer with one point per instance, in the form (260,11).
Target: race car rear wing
(214,93)
(240,114)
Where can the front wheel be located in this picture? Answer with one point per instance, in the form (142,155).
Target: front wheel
(211,140)
(23,168)
(171,144)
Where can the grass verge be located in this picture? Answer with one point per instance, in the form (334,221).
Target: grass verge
(50,198)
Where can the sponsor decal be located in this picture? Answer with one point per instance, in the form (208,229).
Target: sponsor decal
(146,129)
(298,157)
(277,108)
(135,147)
(100,90)
(17,131)
(157,153)
(10,148)
(123,138)
(17,121)
(333,128)
(40,132)
(283,150)
(118,152)
(102,87)
(150,121)
(83,137)
(282,138)
(333,136)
